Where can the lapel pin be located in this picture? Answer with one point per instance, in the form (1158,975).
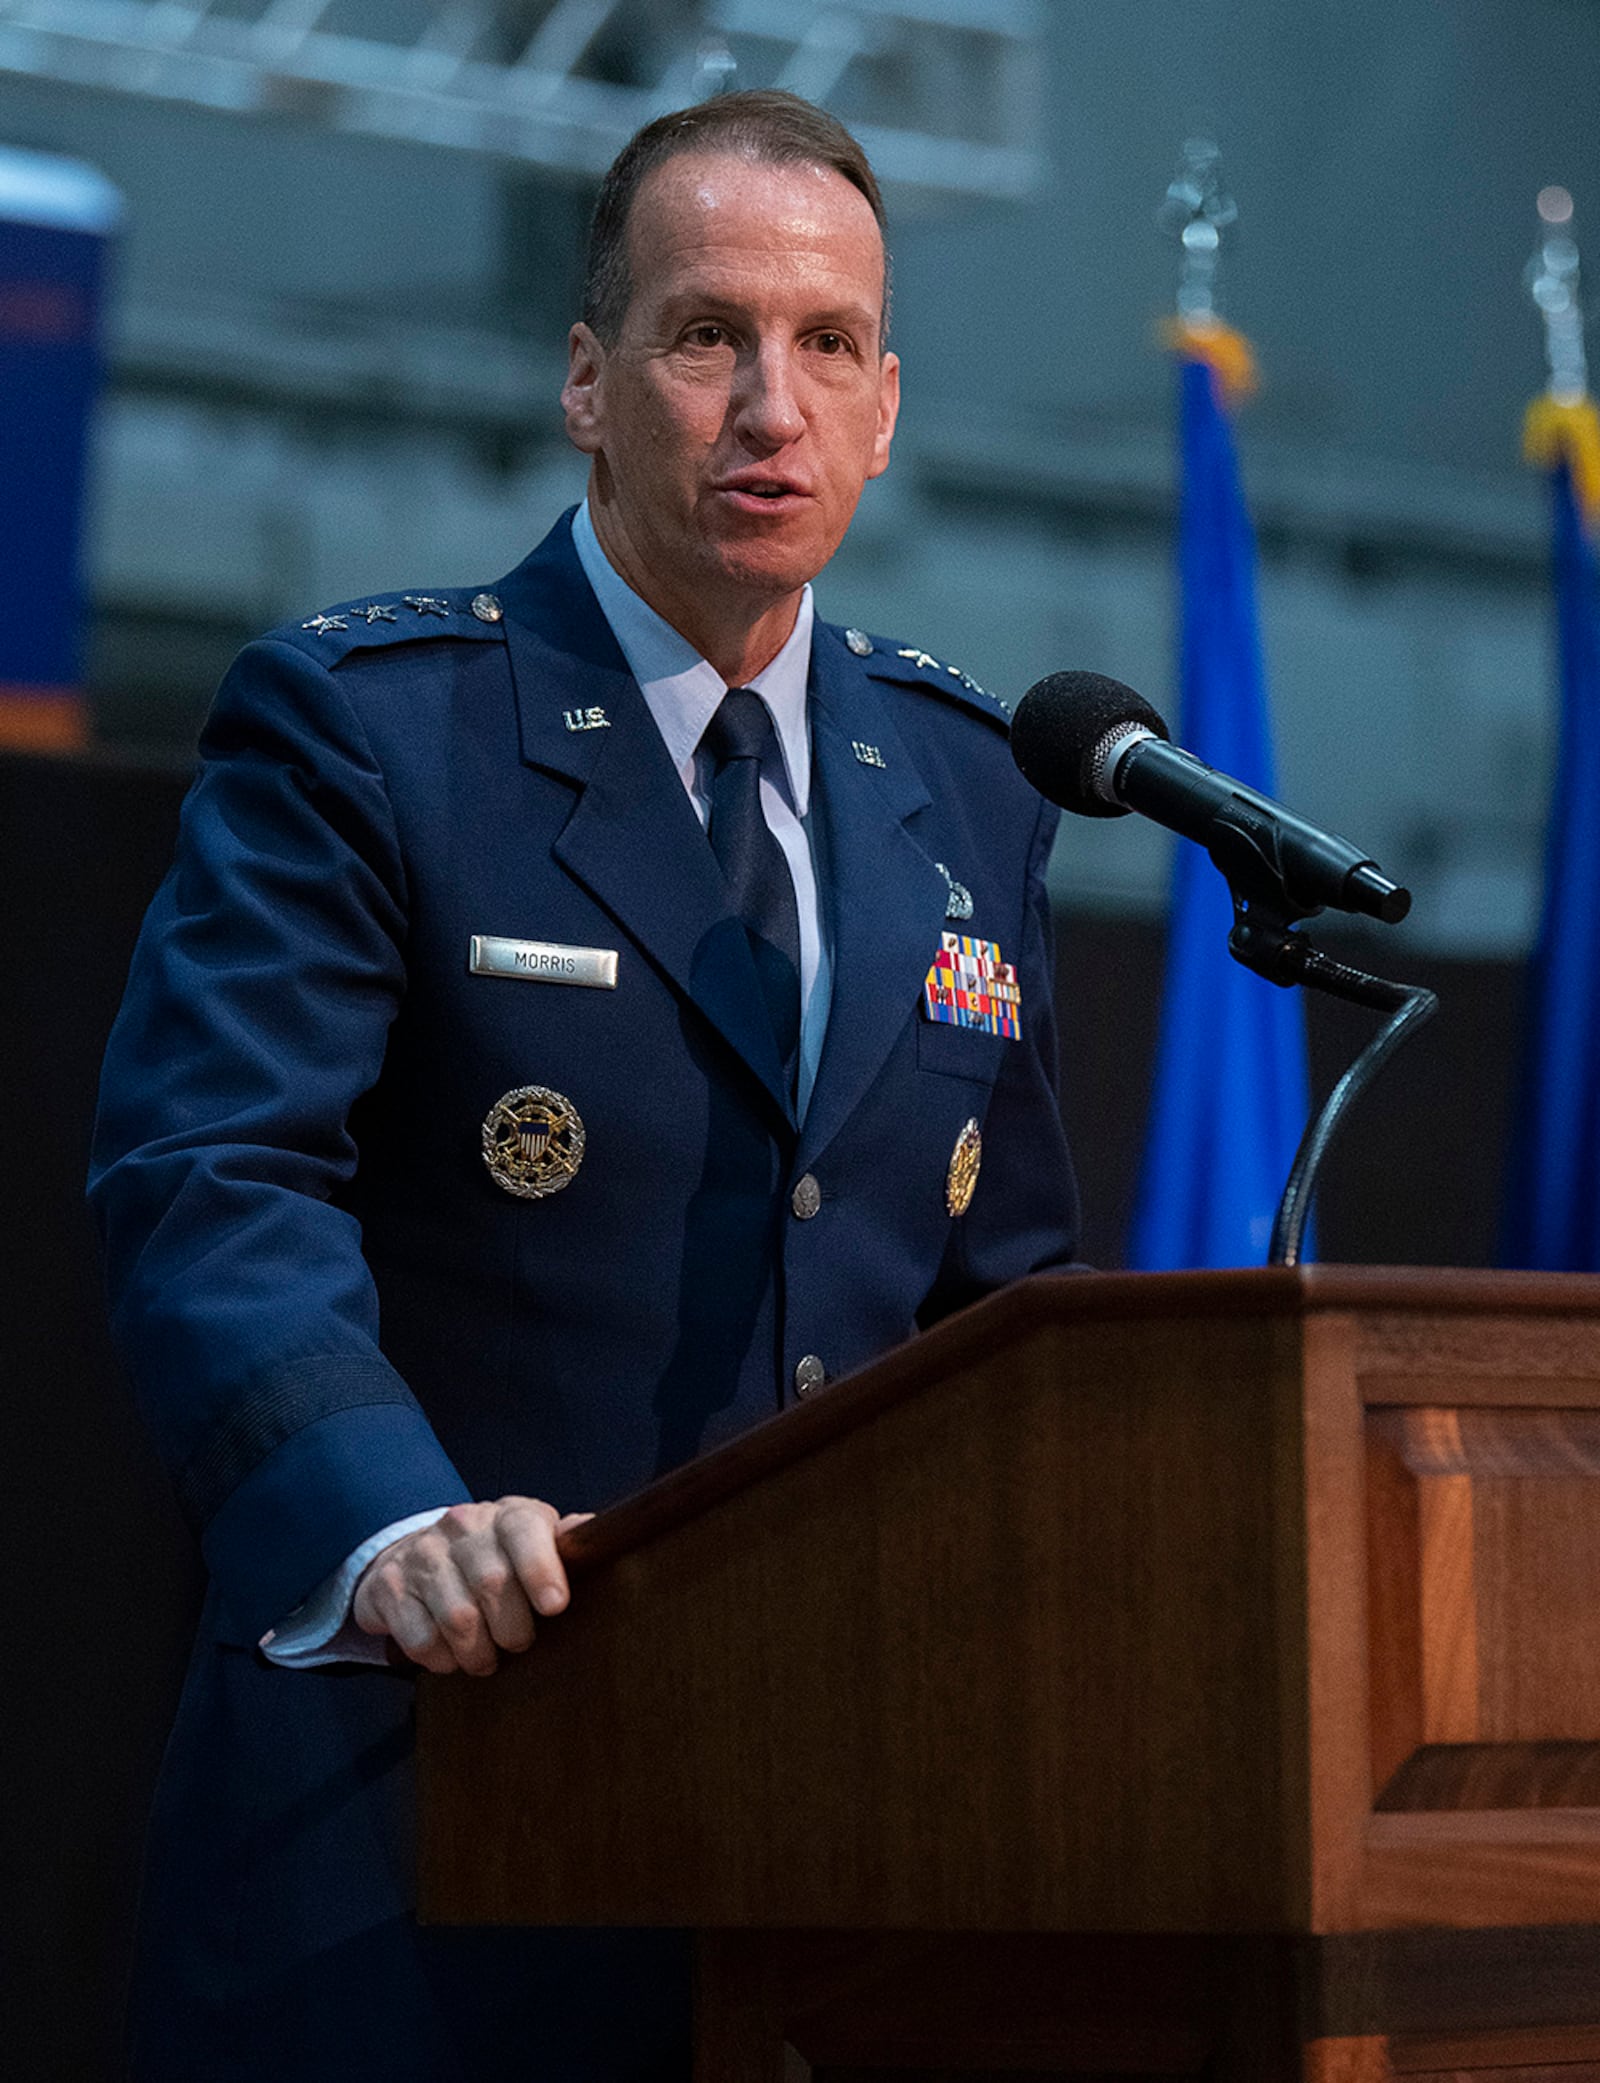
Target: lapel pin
(586,719)
(869,755)
(860,643)
(959,905)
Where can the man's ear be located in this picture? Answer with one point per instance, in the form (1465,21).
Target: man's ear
(580,394)
(888,413)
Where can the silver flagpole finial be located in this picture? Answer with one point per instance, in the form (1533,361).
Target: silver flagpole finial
(1552,278)
(716,69)
(1196,211)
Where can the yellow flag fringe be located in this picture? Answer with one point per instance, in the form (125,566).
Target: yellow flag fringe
(1227,351)
(1567,430)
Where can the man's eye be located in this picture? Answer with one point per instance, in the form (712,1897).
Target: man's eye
(832,343)
(708,336)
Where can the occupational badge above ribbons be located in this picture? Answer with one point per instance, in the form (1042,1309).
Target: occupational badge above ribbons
(533,1142)
(962,1177)
(969,986)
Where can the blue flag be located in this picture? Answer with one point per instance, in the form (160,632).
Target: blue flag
(1230,1097)
(56,220)
(1552,1215)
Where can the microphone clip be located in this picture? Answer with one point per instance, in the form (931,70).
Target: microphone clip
(1244,847)
(1263,939)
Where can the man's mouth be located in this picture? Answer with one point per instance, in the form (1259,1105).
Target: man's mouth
(761,490)
(769,495)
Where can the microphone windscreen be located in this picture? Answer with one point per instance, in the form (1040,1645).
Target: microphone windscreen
(1058,725)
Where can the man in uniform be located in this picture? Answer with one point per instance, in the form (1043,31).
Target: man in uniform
(586,1013)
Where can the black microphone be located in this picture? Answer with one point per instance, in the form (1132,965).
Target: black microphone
(1095,747)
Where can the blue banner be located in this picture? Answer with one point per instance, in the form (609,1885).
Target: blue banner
(55,221)
(1230,1093)
(1552,1215)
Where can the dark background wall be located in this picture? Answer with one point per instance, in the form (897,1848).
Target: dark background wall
(103,1581)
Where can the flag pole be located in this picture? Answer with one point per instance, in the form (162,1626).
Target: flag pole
(1231,1095)
(1561,424)
(1552,1207)
(1196,211)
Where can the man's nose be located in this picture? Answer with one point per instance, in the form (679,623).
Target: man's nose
(768,413)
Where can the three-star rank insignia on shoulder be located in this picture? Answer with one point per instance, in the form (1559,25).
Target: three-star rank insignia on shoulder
(925,662)
(910,663)
(398,618)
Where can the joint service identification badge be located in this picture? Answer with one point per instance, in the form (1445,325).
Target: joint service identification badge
(533,1142)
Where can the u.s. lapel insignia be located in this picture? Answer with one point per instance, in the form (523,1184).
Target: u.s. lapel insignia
(533,1142)
(859,642)
(962,1177)
(970,986)
(959,903)
(869,755)
(586,719)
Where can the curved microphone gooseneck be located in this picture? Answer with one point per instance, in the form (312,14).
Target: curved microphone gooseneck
(1100,750)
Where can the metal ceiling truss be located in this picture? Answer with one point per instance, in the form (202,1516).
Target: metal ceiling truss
(945,94)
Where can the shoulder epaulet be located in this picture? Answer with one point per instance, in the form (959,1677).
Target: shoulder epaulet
(388,619)
(885,659)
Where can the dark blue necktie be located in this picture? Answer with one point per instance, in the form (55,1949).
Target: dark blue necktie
(738,737)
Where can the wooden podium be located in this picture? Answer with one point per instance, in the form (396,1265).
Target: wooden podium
(1179,1675)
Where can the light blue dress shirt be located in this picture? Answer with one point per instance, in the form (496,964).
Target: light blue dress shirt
(682,692)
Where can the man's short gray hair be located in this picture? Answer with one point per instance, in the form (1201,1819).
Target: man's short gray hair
(766,125)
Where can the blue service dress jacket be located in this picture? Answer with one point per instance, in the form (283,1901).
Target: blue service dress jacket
(334,1314)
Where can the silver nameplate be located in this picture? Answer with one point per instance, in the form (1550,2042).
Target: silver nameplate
(543,962)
